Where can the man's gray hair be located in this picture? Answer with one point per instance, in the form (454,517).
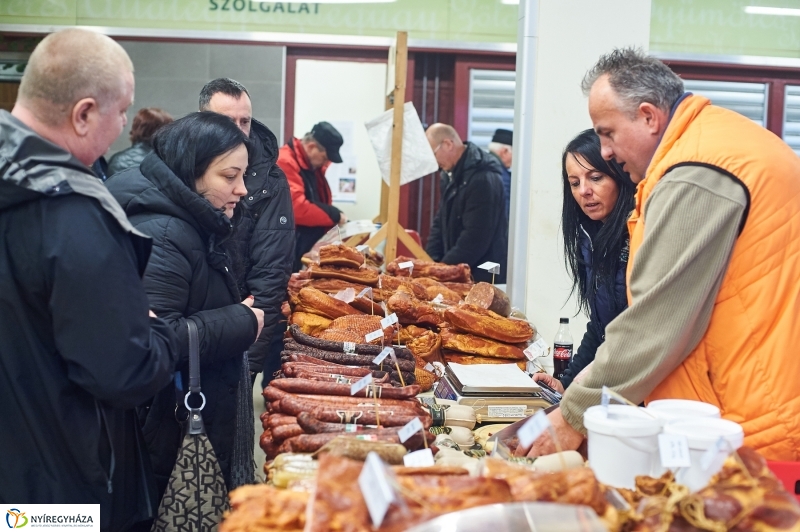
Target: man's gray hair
(308,137)
(636,78)
(497,147)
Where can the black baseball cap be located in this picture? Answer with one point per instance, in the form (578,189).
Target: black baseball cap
(329,138)
(503,136)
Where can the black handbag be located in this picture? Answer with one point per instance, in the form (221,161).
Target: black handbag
(196,495)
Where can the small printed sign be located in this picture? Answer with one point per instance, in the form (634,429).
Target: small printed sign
(389,320)
(408,265)
(536,349)
(410,428)
(421,458)
(374,483)
(715,455)
(360,384)
(366,292)
(491,267)
(438,299)
(349,347)
(362,248)
(517,411)
(674,450)
(382,355)
(374,335)
(533,428)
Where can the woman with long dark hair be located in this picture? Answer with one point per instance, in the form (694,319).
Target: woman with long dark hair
(598,198)
(185,196)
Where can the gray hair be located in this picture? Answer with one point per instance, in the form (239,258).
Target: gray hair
(497,147)
(308,137)
(636,78)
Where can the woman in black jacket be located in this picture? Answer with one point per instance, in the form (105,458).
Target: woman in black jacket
(184,195)
(598,198)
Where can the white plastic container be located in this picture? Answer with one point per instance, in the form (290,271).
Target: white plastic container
(623,443)
(678,409)
(703,433)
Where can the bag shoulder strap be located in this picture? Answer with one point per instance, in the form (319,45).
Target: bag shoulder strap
(195,417)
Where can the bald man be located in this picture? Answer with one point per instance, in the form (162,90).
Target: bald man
(470,226)
(78,351)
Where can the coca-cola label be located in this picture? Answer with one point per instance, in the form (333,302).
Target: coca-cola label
(562,351)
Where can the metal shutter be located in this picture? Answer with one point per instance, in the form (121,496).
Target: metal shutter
(748,99)
(791,117)
(491,104)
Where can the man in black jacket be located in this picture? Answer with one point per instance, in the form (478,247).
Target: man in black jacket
(266,235)
(77,349)
(470,226)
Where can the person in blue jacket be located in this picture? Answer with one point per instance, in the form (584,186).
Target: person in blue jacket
(598,198)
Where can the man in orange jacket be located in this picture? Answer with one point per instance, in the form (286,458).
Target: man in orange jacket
(304,162)
(714,269)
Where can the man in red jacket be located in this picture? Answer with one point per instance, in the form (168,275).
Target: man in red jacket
(304,162)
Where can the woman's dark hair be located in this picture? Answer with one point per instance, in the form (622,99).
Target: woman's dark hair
(189,145)
(609,239)
(146,122)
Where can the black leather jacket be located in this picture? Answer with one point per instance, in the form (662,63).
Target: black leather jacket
(128,158)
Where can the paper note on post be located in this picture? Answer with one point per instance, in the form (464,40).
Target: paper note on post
(382,356)
(374,335)
(491,267)
(389,320)
(360,384)
(533,428)
(410,428)
(374,483)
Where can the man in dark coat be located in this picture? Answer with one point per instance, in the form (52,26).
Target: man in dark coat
(77,349)
(501,147)
(266,234)
(470,226)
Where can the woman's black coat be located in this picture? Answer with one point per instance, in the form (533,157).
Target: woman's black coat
(188,277)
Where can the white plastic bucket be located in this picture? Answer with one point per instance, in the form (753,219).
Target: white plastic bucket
(703,433)
(678,409)
(623,443)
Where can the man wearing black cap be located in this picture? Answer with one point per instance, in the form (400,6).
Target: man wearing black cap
(500,147)
(304,162)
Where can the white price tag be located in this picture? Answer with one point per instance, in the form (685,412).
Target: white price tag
(530,431)
(375,487)
(394,357)
(374,335)
(715,456)
(421,458)
(362,248)
(429,367)
(360,384)
(349,347)
(517,411)
(366,292)
(438,299)
(389,320)
(411,428)
(491,267)
(347,295)
(605,398)
(408,265)
(382,355)
(674,450)
(536,349)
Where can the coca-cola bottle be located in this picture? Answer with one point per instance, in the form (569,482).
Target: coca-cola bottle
(562,349)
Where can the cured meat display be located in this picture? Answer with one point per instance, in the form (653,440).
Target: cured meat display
(340,255)
(355,329)
(316,302)
(312,324)
(482,322)
(460,358)
(469,343)
(456,273)
(365,276)
(489,297)
(411,310)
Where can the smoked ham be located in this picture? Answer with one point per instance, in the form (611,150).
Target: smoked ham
(340,255)
(461,358)
(312,324)
(411,310)
(458,273)
(476,345)
(482,322)
(354,328)
(363,276)
(320,303)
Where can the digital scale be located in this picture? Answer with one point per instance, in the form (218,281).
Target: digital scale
(494,407)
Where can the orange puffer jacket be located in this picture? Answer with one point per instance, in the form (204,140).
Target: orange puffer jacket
(747,361)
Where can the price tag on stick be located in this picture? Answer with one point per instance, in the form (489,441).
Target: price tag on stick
(360,384)
(534,427)
(491,267)
(374,335)
(421,458)
(389,320)
(375,487)
(410,428)
(366,292)
(382,355)
(408,265)
(674,450)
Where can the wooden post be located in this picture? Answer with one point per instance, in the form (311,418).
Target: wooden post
(389,216)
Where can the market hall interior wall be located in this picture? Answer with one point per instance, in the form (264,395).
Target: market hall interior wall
(170,75)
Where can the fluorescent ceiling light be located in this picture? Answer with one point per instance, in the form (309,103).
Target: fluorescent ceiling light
(509,2)
(784,11)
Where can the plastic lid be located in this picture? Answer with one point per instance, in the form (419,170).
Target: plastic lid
(704,432)
(680,409)
(564,320)
(621,420)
